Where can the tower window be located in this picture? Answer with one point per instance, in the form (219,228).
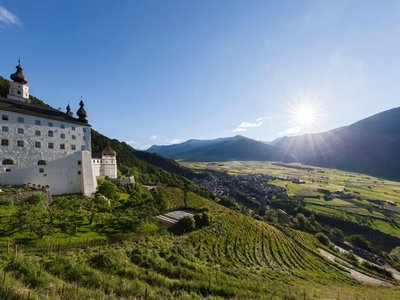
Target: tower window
(37,145)
(20,130)
(51,145)
(50,124)
(4,128)
(84,129)
(73,128)
(20,143)
(4,142)
(62,126)
(41,162)
(37,122)
(50,133)
(62,146)
(8,161)
(4,117)
(20,120)
(37,132)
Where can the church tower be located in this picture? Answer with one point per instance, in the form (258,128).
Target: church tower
(19,90)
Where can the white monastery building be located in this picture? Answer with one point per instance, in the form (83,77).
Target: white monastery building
(46,147)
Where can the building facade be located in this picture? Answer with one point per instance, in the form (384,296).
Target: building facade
(46,147)
(105,163)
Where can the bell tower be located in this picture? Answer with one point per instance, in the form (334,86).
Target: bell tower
(19,89)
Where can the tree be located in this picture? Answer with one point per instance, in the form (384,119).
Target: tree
(337,232)
(108,189)
(32,216)
(184,225)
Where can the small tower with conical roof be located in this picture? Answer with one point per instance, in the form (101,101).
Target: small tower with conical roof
(19,89)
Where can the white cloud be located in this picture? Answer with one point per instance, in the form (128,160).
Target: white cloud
(8,18)
(291,130)
(239,129)
(174,141)
(154,137)
(246,125)
(131,142)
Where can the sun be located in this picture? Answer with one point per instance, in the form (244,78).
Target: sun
(305,115)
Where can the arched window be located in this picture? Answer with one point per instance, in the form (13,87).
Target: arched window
(41,163)
(8,161)
(50,133)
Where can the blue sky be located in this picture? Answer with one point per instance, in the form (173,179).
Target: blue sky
(158,72)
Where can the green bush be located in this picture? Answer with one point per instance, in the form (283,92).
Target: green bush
(108,189)
(359,241)
(377,269)
(6,202)
(337,232)
(324,240)
(184,225)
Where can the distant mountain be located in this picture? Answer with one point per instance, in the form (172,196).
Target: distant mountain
(223,149)
(370,146)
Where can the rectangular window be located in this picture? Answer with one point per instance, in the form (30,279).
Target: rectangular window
(62,146)
(73,137)
(79,162)
(62,135)
(51,145)
(84,129)
(37,122)
(8,170)
(73,147)
(20,143)
(37,132)
(20,130)
(4,142)
(50,124)
(4,117)
(4,128)
(79,172)
(73,128)
(37,145)
(20,120)
(41,170)
(62,126)
(84,138)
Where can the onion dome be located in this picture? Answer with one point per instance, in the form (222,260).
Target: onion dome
(19,75)
(81,113)
(108,151)
(69,112)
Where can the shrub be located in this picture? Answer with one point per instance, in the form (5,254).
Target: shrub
(6,202)
(377,269)
(324,240)
(337,232)
(108,189)
(359,241)
(186,224)
(350,256)
(202,219)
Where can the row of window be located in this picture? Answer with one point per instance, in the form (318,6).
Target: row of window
(20,143)
(50,133)
(38,122)
(40,162)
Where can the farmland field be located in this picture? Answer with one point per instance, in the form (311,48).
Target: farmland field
(364,199)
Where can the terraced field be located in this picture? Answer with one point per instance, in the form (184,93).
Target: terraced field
(235,257)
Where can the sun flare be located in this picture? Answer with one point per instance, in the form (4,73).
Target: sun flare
(305,115)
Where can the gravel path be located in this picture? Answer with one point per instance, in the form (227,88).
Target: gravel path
(355,274)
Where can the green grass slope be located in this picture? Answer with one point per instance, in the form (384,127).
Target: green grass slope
(235,257)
